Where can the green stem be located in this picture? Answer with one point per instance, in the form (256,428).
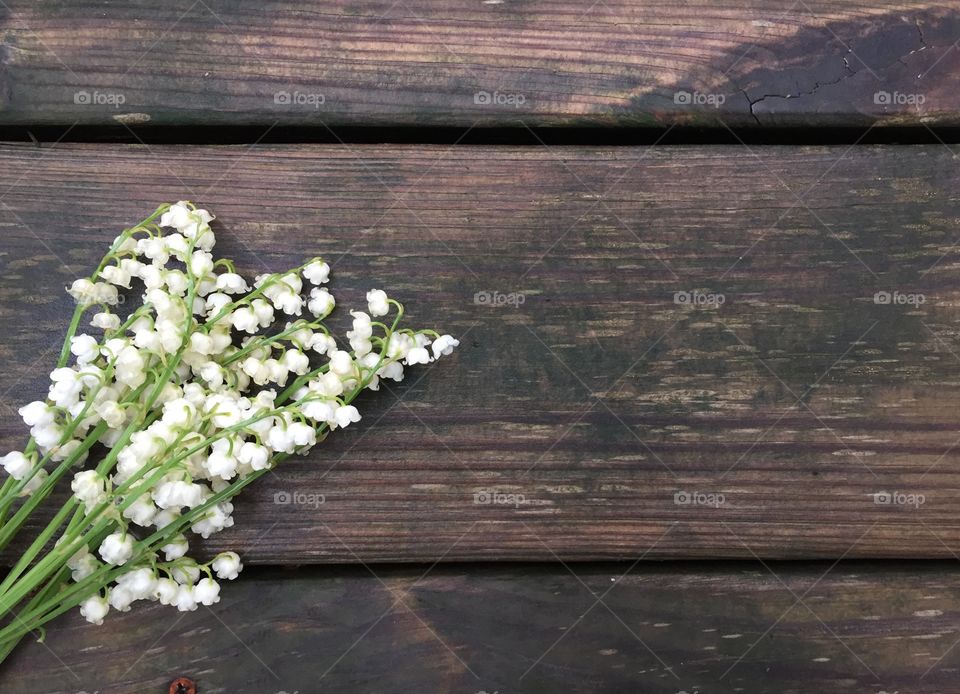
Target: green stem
(38,544)
(10,528)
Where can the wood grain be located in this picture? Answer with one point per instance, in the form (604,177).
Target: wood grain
(419,62)
(598,399)
(789,629)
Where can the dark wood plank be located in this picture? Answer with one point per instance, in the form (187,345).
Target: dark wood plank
(561,62)
(693,628)
(599,398)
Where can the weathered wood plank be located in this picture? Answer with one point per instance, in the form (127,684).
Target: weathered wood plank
(693,627)
(598,399)
(618,62)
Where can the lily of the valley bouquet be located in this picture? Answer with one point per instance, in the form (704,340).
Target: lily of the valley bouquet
(155,423)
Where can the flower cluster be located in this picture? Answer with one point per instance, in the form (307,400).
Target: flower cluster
(209,383)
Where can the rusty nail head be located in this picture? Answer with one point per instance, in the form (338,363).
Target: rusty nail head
(182,685)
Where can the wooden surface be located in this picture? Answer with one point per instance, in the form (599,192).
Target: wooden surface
(597,399)
(783,629)
(415,62)
(593,395)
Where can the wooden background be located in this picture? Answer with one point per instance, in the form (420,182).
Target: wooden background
(421,62)
(507,628)
(595,383)
(599,398)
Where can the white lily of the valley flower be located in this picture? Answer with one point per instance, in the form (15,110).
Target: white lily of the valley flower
(227,565)
(207,591)
(16,464)
(116,548)
(377,302)
(321,302)
(417,355)
(232,283)
(88,487)
(37,413)
(94,609)
(444,345)
(106,321)
(346,414)
(317,272)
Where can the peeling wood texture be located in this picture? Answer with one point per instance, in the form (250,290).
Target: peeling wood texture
(706,62)
(784,629)
(595,384)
